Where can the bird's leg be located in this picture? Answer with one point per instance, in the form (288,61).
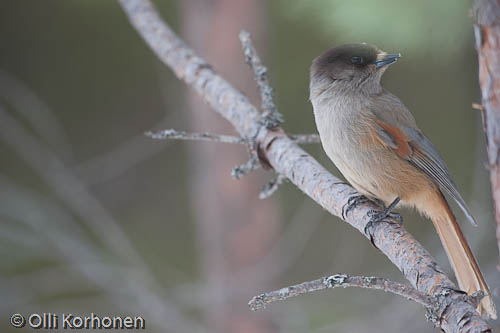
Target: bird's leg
(377,216)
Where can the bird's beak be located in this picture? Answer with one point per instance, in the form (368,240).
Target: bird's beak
(384,59)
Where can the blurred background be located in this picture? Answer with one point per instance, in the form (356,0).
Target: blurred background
(95,217)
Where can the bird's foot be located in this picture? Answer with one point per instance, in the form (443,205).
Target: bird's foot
(353,201)
(377,216)
(380,216)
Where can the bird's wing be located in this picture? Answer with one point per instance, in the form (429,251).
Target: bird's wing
(413,146)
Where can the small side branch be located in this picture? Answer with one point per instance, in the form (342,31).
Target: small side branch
(342,280)
(305,138)
(252,164)
(271,117)
(238,171)
(181,135)
(219,138)
(272,186)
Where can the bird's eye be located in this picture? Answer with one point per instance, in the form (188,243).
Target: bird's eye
(357,60)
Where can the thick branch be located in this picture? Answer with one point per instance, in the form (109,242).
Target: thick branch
(487,32)
(288,159)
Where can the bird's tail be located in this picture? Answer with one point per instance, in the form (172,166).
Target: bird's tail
(465,266)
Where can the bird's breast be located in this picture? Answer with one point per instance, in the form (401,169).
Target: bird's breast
(344,125)
(348,135)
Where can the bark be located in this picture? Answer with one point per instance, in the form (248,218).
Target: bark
(457,312)
(487,33)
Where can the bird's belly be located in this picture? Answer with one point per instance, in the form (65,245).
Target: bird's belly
(350,141)
(364,170)
(373,169)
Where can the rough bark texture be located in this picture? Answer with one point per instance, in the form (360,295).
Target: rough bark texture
(456,313)
(487,32)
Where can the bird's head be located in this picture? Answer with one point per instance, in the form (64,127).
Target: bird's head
(352,65)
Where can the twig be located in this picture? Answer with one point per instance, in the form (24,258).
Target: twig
(287,158)
(181,135)
(115,162)
(342,280)
(240,170)
(478,106)
(272,186)
(305,138)
(244,169)
(237,172)
(271,117)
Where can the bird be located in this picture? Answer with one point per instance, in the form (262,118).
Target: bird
(374,141)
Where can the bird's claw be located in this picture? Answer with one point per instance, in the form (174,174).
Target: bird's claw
(352,202)
(380,216)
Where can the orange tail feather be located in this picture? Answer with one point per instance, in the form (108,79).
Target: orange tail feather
(462,260)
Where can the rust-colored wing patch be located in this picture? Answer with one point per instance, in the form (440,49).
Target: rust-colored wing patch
(412,145)
(395,138)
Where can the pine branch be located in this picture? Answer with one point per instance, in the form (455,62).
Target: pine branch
(271,117)
(342,280)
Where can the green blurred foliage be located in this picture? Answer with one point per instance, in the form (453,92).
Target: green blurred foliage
(412,26)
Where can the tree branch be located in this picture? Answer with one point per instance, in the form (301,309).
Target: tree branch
(305,138)
(244,169)
(487,33)
(342,280)
(271,118)
(287,158)
(181,135)
(272,186)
